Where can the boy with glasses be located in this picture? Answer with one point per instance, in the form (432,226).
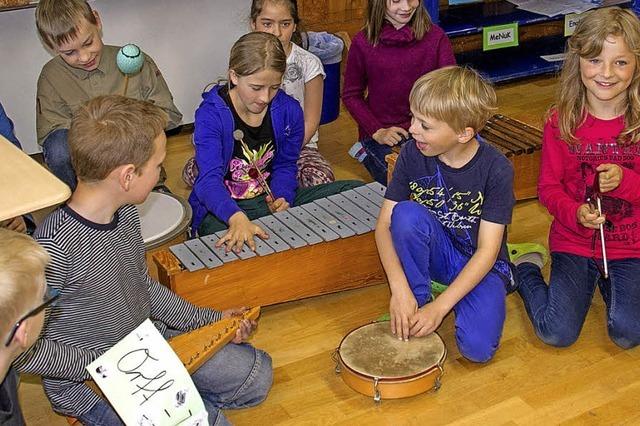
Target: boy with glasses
(22,302)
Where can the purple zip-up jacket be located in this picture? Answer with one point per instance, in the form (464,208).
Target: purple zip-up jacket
(213,137)
(388,71)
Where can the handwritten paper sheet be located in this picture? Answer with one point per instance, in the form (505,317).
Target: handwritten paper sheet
(146,383)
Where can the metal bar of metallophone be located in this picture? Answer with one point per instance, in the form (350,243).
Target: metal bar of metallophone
(262,248)
(298,227)
(274,241)
(244,253)
(205,250)
(314,223)
(370,194)
(353,209)
(186,257)
(273,225)
(339,229)
(221,252)
(345,217)
(377,187)
(362,202)
(201,251)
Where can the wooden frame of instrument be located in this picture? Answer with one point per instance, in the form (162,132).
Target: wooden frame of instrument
(428,379)
(313,270)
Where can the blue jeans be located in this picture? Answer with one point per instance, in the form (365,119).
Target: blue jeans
(235,377)
(427,252)
(55,151)
(558,311)
(374,161)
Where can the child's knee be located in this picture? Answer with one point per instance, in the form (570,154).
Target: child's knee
(625,336)
(58,139)
(262,378)
(560,336)
(477,345)
(476,349)
(406,218)
(56,147)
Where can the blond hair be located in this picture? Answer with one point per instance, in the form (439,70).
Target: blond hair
(255,52)
(586,42)
(110,131)
(456,95)
(22,264)
(375,15)
(58,20)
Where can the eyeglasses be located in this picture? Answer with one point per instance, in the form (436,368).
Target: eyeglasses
(49,298)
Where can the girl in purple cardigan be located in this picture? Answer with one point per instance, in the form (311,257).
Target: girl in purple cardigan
(397,45)
(248,135)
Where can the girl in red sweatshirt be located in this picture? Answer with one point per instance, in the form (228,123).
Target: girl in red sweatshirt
(590,150)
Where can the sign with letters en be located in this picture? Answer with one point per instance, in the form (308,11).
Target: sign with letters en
(146,383)
(571,22)
(499,36)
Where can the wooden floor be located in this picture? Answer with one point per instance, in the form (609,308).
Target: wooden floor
(592,382)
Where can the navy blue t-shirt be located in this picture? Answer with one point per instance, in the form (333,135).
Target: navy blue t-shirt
(459,198)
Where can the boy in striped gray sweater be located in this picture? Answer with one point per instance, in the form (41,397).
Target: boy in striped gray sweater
(98,265)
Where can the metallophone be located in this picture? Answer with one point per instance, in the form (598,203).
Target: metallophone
(519,142)
(316,248)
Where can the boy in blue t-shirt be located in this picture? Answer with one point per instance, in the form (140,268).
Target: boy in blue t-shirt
(444,216)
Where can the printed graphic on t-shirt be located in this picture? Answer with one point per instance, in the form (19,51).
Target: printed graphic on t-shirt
(292,74)
(618,211)
(458,211)
(249,173)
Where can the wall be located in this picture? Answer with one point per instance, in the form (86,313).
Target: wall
(189,40)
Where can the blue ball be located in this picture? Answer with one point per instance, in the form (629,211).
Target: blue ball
(130,59)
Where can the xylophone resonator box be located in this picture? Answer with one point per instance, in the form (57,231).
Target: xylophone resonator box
(317,248)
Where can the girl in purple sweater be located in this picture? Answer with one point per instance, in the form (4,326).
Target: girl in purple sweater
(397,45)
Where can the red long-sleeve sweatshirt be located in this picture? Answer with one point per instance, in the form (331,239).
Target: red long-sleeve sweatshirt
(566,180)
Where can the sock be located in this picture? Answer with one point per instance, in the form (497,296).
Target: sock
(534,257)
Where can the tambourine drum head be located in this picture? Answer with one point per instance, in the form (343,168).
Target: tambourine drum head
(372,350)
